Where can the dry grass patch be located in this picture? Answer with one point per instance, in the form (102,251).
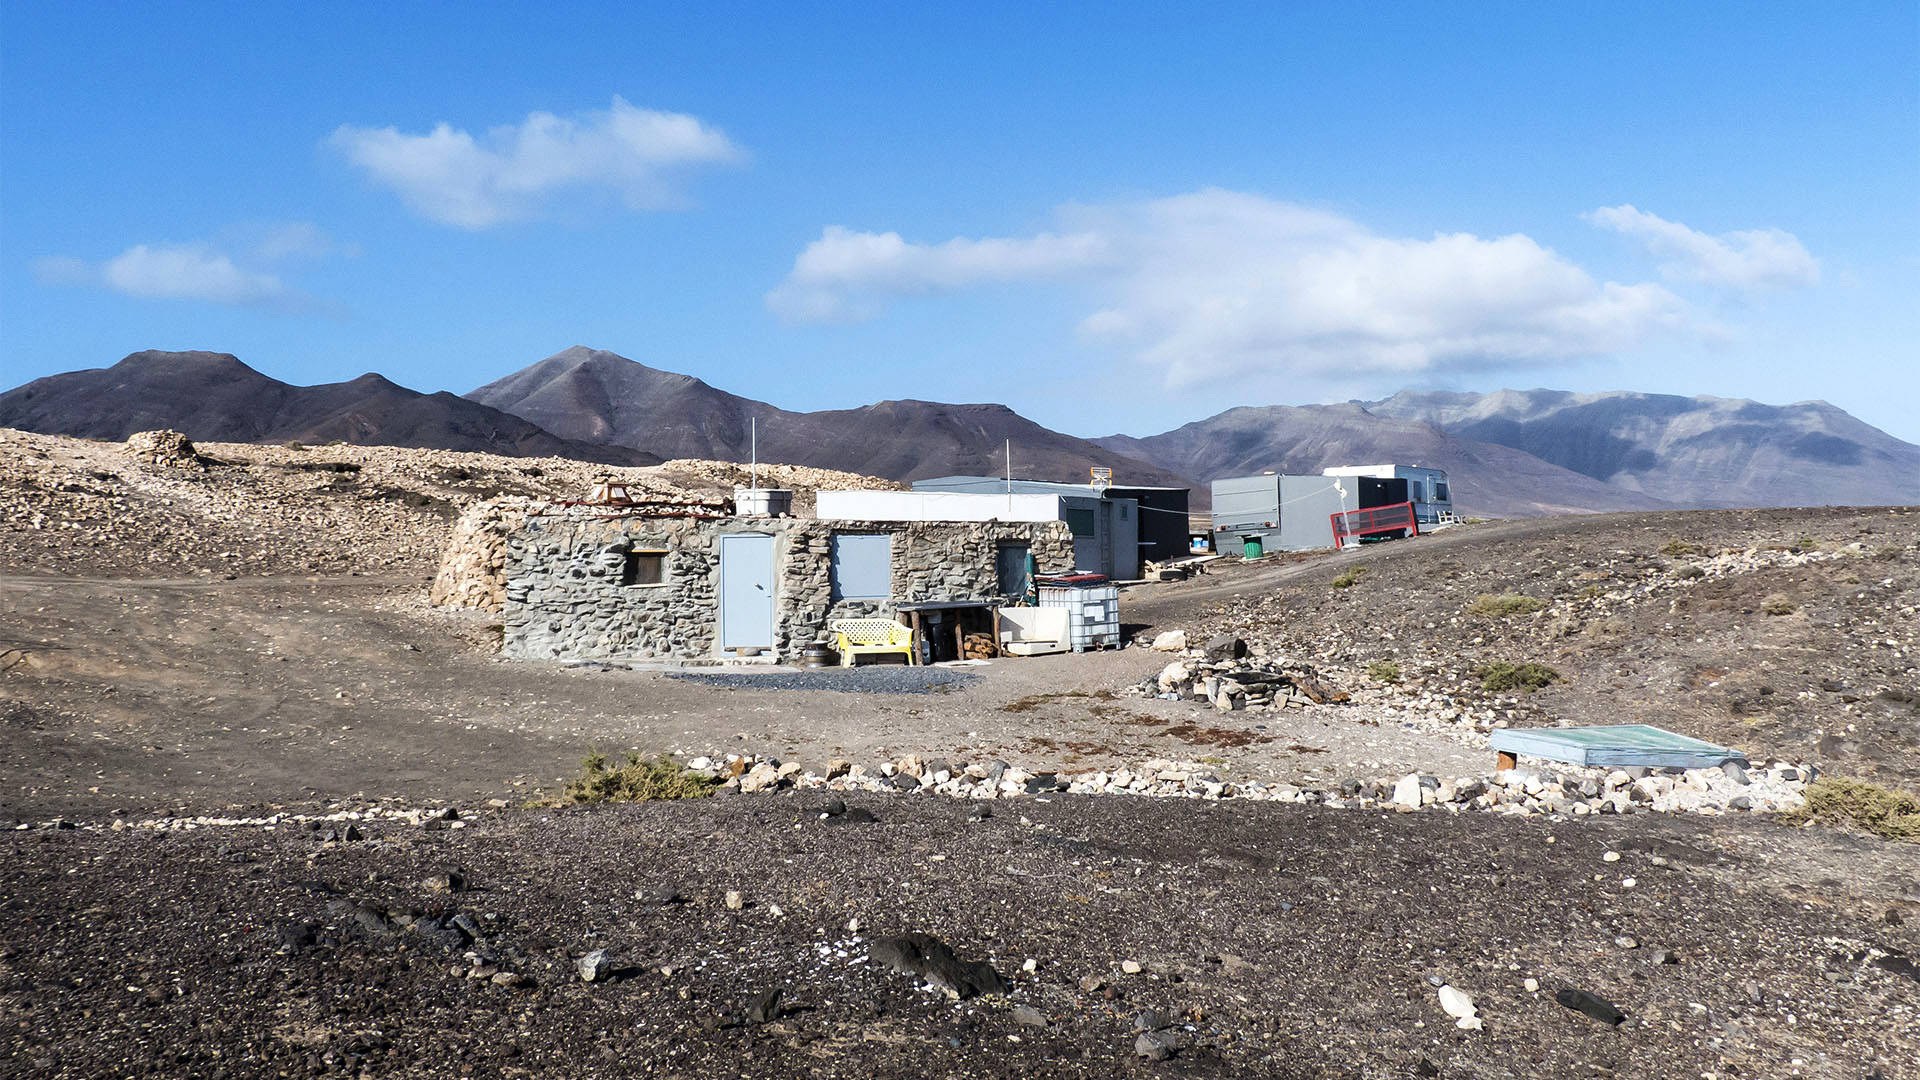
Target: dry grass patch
(1383,671)
(1349,577)
(638,780)
(1858,804)
(1500,676)
(1778,605)
(1501,605)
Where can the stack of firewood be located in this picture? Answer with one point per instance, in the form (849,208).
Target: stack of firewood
(979,647)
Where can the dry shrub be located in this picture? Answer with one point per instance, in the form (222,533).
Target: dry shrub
(1346,580)
(638,780)
(1500,675)
(1778,605)
(1883,812)
(1385,671)
(1677,547)
(1500,605)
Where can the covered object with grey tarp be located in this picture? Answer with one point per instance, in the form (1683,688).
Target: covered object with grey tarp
(1614,746)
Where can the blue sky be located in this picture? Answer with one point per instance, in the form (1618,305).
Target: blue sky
(1112,218)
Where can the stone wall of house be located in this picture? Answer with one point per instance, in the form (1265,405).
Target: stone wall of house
(563,597)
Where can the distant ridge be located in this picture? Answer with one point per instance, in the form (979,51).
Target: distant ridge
(1487,479)
(1698,451)
(1509,453)
(213,397)
(587,393)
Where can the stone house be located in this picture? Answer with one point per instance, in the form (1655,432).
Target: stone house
(584,583)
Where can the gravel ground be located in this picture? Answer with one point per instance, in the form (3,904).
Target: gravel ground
(872,679)
(1272,941)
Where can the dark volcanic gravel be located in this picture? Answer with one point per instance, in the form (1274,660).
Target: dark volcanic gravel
(873,679)
(1270,941)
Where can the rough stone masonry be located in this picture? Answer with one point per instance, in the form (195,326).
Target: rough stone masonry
(564,597)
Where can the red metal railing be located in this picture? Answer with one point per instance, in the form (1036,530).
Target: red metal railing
(1373,519)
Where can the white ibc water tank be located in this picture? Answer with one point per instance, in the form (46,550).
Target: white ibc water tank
(763,502)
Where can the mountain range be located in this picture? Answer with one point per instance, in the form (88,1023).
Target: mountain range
(1509,453)
(599,396)
(213,397)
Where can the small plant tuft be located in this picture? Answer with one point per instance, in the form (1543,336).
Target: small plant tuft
(1501,675)
(1778,605)
(1501,605)
(294,444)
(638,780)
(1894,815)
(1384,671)
(1676,548)
(1349,577)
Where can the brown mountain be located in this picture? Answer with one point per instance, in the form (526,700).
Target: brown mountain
(1694,451)
(591,394)
(1487,479)
(213,397)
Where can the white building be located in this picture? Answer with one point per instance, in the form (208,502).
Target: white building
(1106,532)
(1427,488)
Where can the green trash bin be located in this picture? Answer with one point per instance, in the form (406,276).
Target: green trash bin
(1250,547)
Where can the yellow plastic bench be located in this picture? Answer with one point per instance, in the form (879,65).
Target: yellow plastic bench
(869,637)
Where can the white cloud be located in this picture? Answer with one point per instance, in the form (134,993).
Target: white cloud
(839,277)
(170,272)
(1215,283)
(449,176)
(1747,259)
(208,273)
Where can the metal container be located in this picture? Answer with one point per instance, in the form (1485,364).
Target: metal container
(763,502)
(1093,612)
(817,655)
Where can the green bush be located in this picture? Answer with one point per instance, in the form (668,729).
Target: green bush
(1883,812)
(1346,580)
(639,780)
(1500,676)
(1383,671)
(1500,605)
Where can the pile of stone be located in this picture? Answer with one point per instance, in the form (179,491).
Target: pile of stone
(163,449)
(473,569)
(1227,675)
(1556,793)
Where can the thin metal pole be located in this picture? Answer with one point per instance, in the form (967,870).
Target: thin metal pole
(753,453)
(1009,479)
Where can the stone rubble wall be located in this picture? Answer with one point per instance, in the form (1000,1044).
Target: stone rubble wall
(473,569)
(563,599)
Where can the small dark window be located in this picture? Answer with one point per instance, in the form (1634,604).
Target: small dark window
(1440,492)
(643,568)
(1080,522)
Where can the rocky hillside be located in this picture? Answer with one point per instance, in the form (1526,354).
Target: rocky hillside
(1698,451)
(1488,479)
(159,506)
(1789,633)
(591,394)
(213,397)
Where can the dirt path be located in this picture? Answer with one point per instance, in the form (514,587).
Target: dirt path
(127,696)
